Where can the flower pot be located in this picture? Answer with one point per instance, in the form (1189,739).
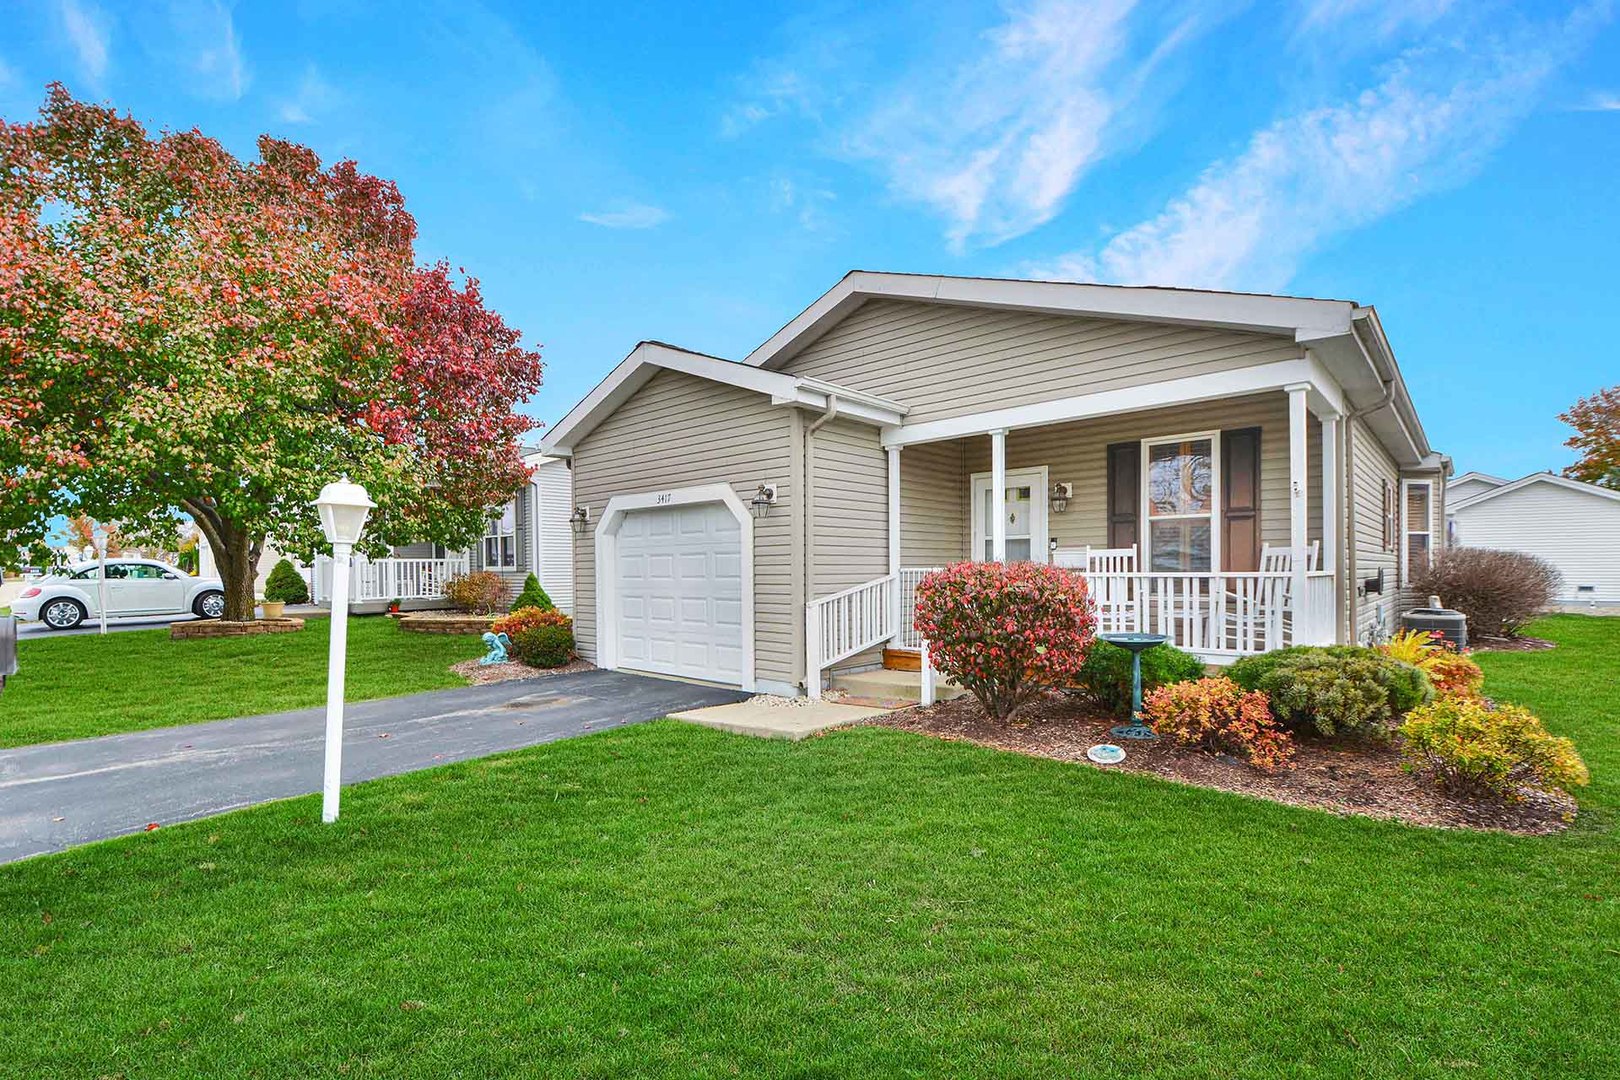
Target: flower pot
(273,609)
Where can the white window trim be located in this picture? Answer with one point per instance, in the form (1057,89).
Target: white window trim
(1039,515)
(1215,489)
(1406,530)
(607,557)
(493,533)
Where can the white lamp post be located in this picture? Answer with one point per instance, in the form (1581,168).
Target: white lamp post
(343,507)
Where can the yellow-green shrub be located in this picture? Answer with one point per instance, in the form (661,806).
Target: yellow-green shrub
(1475,749)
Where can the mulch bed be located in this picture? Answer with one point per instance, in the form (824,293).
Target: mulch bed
(1343,777)
(478,674)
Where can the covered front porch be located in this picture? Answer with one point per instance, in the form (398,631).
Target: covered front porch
(1215,523)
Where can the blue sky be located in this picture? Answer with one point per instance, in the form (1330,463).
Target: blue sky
(698,174)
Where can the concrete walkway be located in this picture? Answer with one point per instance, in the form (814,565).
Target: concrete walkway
(61,794)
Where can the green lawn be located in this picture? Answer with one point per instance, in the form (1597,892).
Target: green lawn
(672,901)
(76,687)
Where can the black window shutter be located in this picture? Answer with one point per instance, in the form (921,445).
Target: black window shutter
(1124,493)
(1240,499)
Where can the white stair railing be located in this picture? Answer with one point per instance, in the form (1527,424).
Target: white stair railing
(837,627)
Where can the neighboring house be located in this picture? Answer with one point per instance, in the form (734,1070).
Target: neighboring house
(1574,526)
(531,534)
(758,523)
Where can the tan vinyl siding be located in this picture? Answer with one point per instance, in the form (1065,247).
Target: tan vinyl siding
(682,431)
(1076,453)
(945,360)
(1370,466)
(849,499)
(933,503)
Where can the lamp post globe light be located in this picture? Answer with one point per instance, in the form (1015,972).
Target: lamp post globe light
(343,508)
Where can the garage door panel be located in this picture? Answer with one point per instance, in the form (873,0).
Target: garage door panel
(679,584)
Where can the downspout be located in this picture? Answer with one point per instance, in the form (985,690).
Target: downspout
(805,543)
(1349,494)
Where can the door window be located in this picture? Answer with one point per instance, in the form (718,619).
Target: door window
(1180,495)
(1026,517)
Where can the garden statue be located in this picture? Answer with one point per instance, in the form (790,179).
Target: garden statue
(498,644)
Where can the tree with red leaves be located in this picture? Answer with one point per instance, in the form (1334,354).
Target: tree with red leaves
(182,331)
(1596,421)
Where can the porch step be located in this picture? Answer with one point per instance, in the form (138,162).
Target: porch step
(891,686)
(902,659)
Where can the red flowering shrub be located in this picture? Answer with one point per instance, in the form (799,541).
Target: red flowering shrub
(1218,714)
(527,618)
(1005,631)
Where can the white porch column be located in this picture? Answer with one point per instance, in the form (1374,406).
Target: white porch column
(1299,502)
(894,509)
(1331,511)
(998,496)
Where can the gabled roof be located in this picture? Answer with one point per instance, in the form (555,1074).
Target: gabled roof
(1346,336)
(1536,478)
(1484,478)
(650,357)
(1257,312)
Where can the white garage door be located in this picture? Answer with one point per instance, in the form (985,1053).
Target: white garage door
(679,592)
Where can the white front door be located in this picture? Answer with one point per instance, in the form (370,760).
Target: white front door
(1026,516)
(678,592)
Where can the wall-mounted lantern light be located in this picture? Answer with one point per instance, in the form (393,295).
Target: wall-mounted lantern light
(763,500)
(1061,494)
(580,519)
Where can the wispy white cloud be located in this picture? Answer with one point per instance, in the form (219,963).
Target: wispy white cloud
(1435,116)
(997,142)
(87,31)
(201,40)
(1378,18)
(627,216)
(773,91)
(313,97)
(1600,101)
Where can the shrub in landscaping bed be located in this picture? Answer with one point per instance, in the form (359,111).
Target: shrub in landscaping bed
(286,585)
(1005,631)
(1218,714)
(1405,687)
(541,637)
(532,595)
(480,592)
(1105,677)
(1474,749)
(1450,672)
(1499,591)
(1334,690)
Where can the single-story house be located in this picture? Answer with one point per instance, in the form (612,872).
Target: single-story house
(1237,471)
(1573,525)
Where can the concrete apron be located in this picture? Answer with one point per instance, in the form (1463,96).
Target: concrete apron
(760,718)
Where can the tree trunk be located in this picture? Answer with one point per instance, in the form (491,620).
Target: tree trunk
(235,553)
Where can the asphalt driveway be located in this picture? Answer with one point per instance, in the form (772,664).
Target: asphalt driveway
(61,794)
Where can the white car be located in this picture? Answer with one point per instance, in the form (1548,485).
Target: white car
(134,587)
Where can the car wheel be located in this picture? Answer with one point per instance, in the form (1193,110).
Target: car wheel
(210,605)
(63,614)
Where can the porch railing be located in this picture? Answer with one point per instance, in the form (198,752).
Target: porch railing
(390,579)
(1218,616)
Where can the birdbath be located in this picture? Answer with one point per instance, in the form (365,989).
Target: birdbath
(1137,644)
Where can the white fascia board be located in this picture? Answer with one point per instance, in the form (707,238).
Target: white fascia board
(1484,478)
(1234,311)
(1186,391)
(1535,478)
(649,357)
